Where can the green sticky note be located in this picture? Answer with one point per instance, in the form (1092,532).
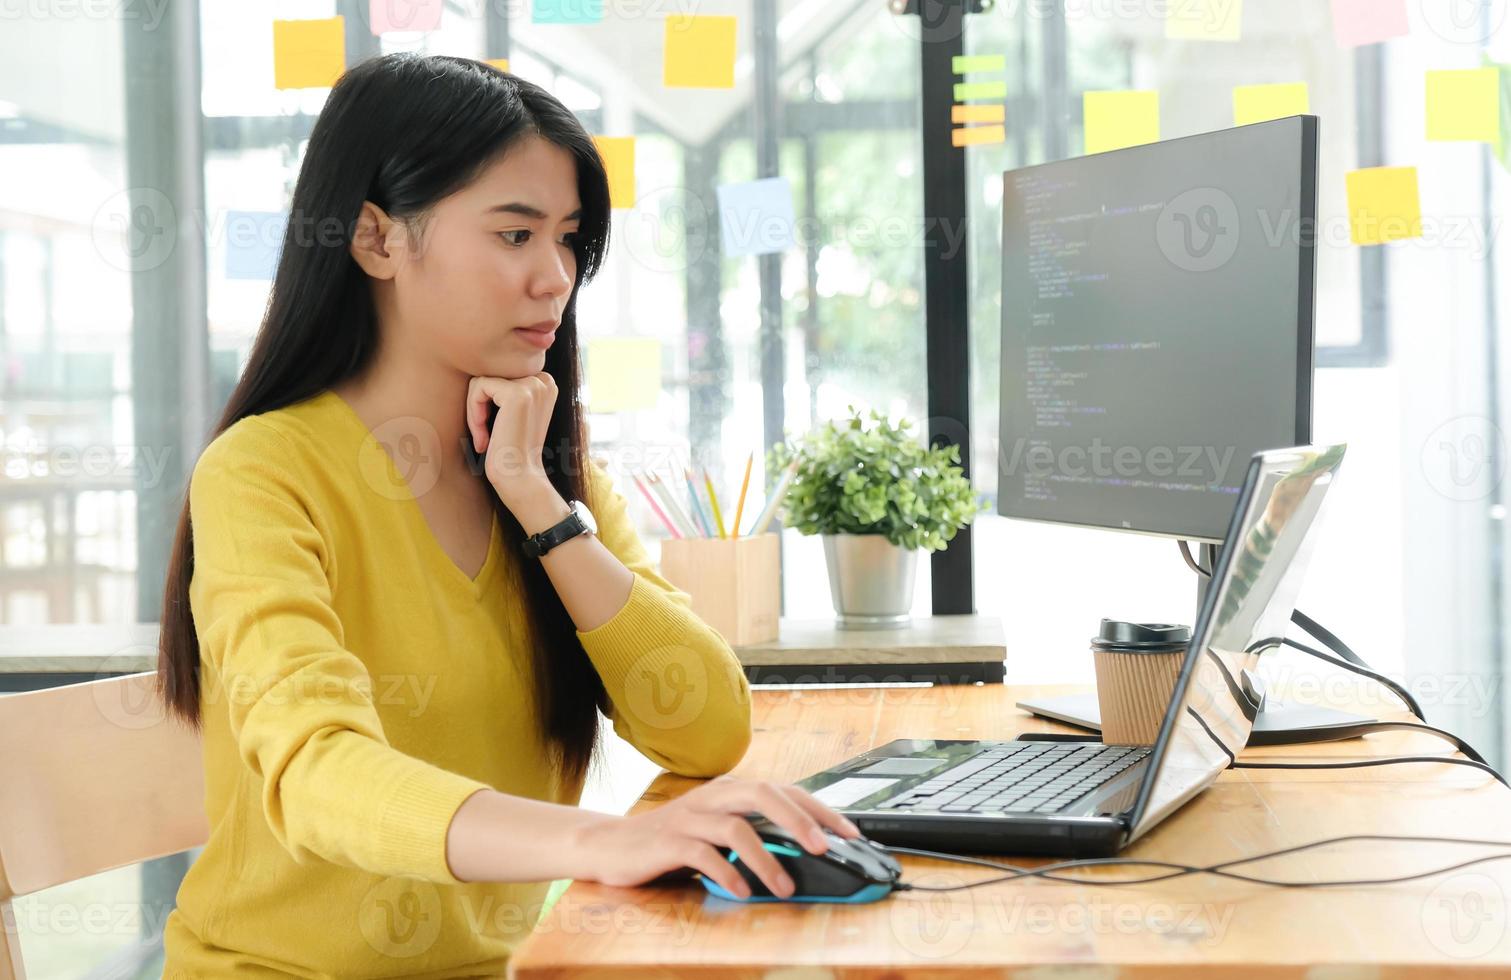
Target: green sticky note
(1114,120)
(1256,103)
(1464,104)
(624,373)
(963,64)
(1383,205)
(980,90)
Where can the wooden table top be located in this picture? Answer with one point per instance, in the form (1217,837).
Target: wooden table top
(1194,926)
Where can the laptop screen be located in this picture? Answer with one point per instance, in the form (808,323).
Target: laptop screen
(1244,614)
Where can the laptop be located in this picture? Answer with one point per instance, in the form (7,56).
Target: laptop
(1086,799)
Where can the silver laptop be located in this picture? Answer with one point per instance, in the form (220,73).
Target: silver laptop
(1090,799)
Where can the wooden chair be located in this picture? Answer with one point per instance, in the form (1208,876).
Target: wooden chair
(93,776)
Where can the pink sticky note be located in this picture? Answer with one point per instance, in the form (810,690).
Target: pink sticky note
(404,15)
(1357,22)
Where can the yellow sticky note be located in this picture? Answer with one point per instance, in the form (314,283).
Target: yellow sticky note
(618,154)
(700,52)
(1464,105)
(1383,205)
(308,53)
(1204,20)
(1256,103)
(977,135)
(1118,119)
(624,373)
(502,64)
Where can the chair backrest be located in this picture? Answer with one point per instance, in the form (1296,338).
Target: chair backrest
(93,776)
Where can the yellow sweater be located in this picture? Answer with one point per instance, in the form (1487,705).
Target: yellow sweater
(358,687)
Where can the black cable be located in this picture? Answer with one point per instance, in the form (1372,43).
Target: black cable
(1366,763)
(1051,872)
(1346,659)
(1329,639)
(1185,552)
(1390,685)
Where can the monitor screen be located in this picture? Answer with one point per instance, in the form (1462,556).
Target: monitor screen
(1156,327)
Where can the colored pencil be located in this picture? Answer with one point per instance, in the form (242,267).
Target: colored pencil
(713,501)
(673,507)
(692,490)
(769,511)
(734,532)
(656,508)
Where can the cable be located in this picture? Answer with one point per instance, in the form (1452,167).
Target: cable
(1051,872)
(1185,552)
(1329,639)
(1346,659)
(1366,763)
(1398,690)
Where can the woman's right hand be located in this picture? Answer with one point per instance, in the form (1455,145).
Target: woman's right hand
(685,832)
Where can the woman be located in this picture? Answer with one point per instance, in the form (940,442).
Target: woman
(398,701)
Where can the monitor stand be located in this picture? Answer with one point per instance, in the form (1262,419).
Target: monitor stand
(1276,723)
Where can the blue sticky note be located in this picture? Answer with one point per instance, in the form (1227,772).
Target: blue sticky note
(566,11)
(253,240)
(757,217)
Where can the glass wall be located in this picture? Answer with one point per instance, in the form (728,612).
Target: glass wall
(1407,569)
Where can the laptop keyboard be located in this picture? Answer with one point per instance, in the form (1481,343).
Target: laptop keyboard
(1022,777)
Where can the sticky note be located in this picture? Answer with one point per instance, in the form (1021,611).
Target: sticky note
(1383,205)
(963,64)
(624,373)
(757,217)
(618,154)
(1117,119)
(977,135)
(1204,20)
(980,90)
(502,64)
(1357,22)
(1464,105)
(1256,103)
(384,16)
(700,52)
(977,113)
(566,11)
(308,53)
(253,241)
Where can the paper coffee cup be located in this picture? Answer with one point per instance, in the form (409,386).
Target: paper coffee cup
(1137,665)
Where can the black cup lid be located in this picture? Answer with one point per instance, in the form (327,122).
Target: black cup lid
(1118,635)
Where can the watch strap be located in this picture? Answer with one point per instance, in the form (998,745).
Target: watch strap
(564,530)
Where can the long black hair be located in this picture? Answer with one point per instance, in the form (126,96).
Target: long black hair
(404,131)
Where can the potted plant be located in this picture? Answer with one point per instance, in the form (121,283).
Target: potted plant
(878,497)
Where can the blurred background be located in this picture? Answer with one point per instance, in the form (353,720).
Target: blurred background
(119,342)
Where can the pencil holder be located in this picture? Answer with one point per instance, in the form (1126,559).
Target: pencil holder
(735,583)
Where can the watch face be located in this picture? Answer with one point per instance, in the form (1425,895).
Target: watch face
(586,515)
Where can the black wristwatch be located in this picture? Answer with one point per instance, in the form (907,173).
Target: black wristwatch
(580,521)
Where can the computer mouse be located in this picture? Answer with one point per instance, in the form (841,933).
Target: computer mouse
(858,870)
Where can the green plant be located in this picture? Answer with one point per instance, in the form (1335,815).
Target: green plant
(851,479)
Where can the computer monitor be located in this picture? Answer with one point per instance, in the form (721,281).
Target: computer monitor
(1157,308)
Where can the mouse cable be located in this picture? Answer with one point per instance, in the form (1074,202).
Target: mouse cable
(1053,872)
(1346,658)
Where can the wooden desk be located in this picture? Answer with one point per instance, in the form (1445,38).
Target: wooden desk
(1195,926)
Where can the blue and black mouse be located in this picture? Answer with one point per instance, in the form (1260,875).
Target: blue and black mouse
(859,870)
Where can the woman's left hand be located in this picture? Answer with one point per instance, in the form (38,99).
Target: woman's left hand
(513,449)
